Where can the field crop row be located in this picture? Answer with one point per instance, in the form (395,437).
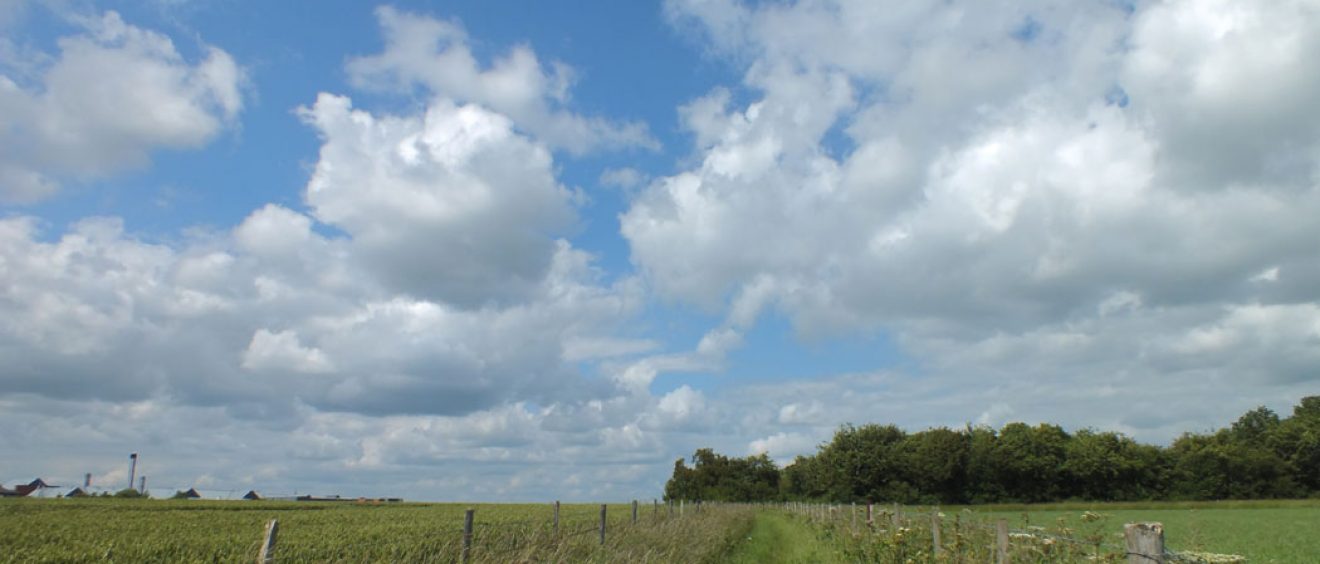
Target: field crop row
(112,530)
(199,531)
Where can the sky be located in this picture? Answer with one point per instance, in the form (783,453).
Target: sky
(526,251)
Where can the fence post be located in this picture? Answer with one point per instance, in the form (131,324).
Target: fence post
(655,508)
(556,516)
(634,512)
(467,534)
(267,554)
(935,532)
(680,508)
(957,536)
(870,514)
(602,524)
(1145,542)
(1001,534)
(897,517)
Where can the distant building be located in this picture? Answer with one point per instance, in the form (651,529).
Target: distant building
(320,498)
(89,491)
(35,488)
(252,495)
(192,494)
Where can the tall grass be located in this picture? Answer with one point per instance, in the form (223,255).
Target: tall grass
(112,530)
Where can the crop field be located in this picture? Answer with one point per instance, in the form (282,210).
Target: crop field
(111,530)
(1262,531)
(115,530)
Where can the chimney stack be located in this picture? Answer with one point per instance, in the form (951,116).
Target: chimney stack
(132,469)
(87,480)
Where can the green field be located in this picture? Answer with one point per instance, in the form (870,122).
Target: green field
(1262,531)
(115,530)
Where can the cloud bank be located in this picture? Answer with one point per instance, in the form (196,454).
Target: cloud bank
(1043,206)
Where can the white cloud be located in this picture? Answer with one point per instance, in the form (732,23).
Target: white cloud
(1013,192)
(283,351)
(451,205)
(435,54)
(114,94)
(784,446)
(682,409)
(1195,70)
(274,231)
(798,413)
(967,181)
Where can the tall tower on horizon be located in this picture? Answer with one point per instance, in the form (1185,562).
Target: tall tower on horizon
(132,469)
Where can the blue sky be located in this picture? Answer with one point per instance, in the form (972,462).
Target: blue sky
(519,251)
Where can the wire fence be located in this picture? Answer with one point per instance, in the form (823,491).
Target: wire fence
(890,533)
(554,538)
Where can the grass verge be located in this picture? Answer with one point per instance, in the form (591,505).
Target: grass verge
(779,538)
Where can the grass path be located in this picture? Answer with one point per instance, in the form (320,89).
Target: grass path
(776,538)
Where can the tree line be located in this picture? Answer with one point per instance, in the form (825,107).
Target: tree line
(1259,456)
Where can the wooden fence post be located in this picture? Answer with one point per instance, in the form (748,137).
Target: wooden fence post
(1001,534)
(655,508)
(870,514)
(602,524)
(854,515)
(680,508)
(467,534)
(267,554)
(634,512)
(1145,542)
(897,518)
(957,536)
(556,516)
(935,532)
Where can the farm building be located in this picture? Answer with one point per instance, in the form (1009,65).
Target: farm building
(35,488)
(252,495)
(89,491)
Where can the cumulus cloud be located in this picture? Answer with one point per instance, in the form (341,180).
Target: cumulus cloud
(1041,207)
(1013,191)
(1193,72)
(99,314)
(451,205)
(434,53)
(283,350)
(784,446)
(447,319)
(112,95)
